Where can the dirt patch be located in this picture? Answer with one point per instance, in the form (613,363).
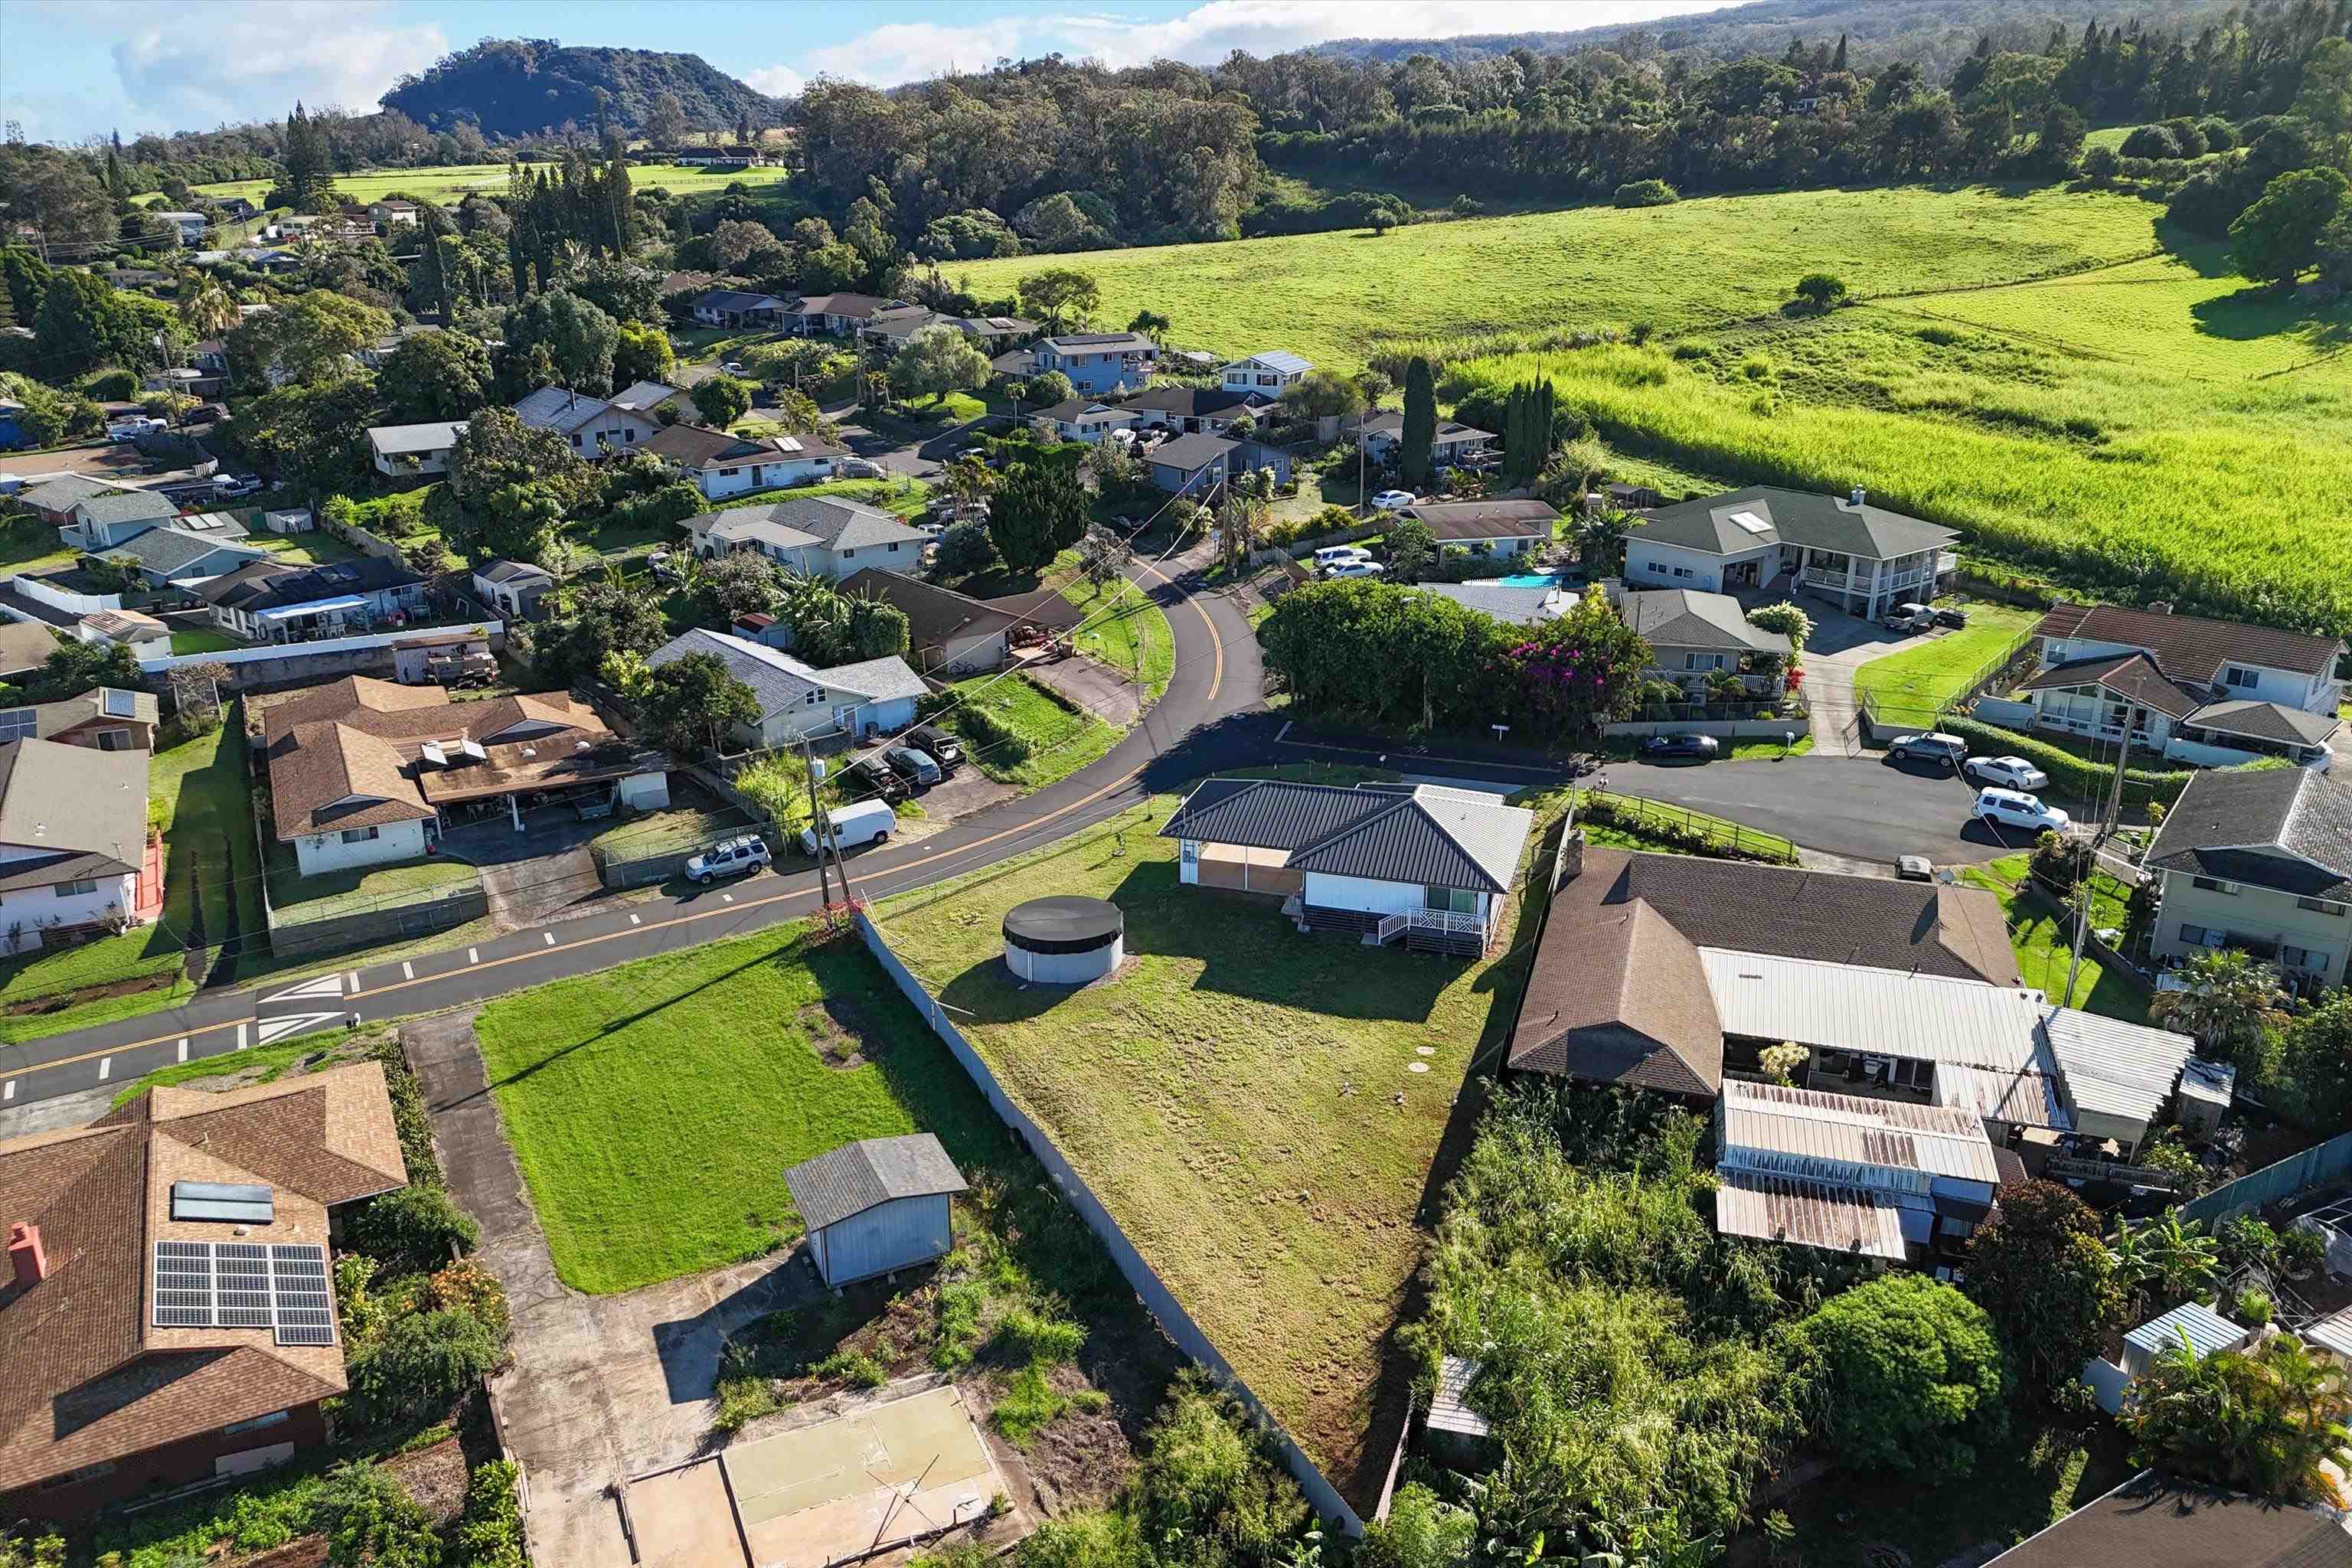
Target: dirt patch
(309,1551)
(838,1030)
(59,1001)
(434,1477)
(1079,1459)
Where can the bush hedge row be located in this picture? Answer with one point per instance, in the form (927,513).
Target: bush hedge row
(2069,775)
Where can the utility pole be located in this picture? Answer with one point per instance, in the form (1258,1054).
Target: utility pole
(2081,899)
(817,823)
(2114,813)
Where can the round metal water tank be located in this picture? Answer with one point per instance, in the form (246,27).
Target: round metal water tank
(1064,940)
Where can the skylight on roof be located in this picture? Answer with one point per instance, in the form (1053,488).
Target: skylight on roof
(117,703)
(1751,522)
(789,443)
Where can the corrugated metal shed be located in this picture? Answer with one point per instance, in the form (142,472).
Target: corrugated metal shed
(1843,1006)
(1935,1140)
(2113,1067)
(2024,1098)
(857,1176)
(1809,1214)
(2332,1333)
(2207,1331)
(1447,1411)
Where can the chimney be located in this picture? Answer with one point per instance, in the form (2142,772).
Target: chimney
(2160,606)
(1860,495)
(1571,857)
(27,1263)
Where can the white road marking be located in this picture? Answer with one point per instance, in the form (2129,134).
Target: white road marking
(323,985)
(472,956)
(272,1029)
(105,1067)
(407,971)
(728,897)
(183,1048)
(351,982)
(8,1090)
(633,921)
(240,1036)
(549,937)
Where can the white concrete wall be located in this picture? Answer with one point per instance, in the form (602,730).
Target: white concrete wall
(28,906)
(317,852)
(59,599)
(1326,891)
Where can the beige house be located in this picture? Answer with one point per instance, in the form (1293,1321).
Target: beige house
(2260,861)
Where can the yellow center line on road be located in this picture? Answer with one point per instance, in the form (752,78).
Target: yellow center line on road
(1216,678)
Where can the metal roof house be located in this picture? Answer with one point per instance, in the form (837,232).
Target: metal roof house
(875,1206)
(1426,864)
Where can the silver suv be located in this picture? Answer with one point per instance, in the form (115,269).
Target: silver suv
(1947,752)
(732,858)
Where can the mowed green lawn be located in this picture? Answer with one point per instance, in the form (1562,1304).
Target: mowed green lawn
(1036,739)
(1921,679)
(654,1107)
(451,183)
(1341,297)
(2044,944)
(1250,1104)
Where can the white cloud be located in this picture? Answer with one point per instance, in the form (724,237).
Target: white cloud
(253,61)
(776,81)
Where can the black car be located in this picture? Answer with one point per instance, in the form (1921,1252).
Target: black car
(871,777)
(1952,616)
(941,747)
(1667,748)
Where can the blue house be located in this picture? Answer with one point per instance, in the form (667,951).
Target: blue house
(12,425)
(1099,363)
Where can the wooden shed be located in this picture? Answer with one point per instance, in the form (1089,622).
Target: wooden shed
(875,1206)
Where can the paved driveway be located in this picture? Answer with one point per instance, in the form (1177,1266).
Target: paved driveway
(1840,645)
(1857,808)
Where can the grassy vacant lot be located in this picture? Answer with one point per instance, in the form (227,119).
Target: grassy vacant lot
(1341,297)
(654,1107)
(1245,1099)
(451,183)
(294,898)
(2044,943)
(1127,631)
(1920,680)
(203,642)
(1018,734)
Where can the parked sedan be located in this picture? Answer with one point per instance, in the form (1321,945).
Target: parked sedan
(1674,748)
(1945,751)
(1393,501)
(861,469)
(1355,569)
(1951,616)
(1908,618)
(1999,808)
(2008,772)
(938,745)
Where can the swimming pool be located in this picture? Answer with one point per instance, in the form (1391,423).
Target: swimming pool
(1530,580)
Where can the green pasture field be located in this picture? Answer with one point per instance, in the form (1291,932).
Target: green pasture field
(2126,471)
(455,182)
(1342,297)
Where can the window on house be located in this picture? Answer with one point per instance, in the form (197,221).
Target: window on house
(1269,381)
(87,1473)
(74,889)
(629,436)
(1192,851)
(848,554)
(2193,935)
(1701,661)
(815,697)
(2321,906)
(1683,572)
(1449,901)
(257,1423)
(1658,568)
(894,547)
(114,739)
(360,834)
(2207,885)
(2303,958)
(575,437)
(2233,676)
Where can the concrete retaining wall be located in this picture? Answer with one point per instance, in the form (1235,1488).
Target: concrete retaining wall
(1157,1300)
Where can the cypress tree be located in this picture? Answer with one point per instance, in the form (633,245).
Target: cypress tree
(1837,60)
(1419,431)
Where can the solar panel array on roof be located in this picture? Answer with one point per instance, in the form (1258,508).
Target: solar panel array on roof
(118,704)
(280,1286)
(18,724)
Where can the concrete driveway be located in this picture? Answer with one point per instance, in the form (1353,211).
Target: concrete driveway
(1842,644)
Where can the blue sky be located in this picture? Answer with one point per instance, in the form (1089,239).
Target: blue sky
(71,69)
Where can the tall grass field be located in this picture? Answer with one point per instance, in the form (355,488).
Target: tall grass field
(2085,394)
(451,183)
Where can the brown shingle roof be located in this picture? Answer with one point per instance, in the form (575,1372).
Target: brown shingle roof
(1633,1008)
(2153,1521)
(2134,677)
(90,1378)
(1455,520)
(2189,647)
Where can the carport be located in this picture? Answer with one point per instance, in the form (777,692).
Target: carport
(464,772)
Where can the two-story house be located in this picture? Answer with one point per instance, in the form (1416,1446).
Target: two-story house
(111,517)
(1098,362)
(594,426)
(824,536)
(1088,420)
(2259,859)
(1272,373)
(2202,691)
(1863,558)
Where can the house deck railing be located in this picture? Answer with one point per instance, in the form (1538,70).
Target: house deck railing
(1449,923)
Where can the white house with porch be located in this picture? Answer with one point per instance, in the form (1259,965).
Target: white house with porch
(1419,863)
(1863,558)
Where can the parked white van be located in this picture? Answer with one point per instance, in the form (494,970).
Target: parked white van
(867,822)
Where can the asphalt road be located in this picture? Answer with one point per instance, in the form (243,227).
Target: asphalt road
(1203,723)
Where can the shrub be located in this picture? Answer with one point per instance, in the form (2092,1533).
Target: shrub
(2247,1241)
(490,1535)
(1647,193)
(1027,1405)
(111,385)
(1912,1375)
(2152,142)
(368,1517)
(2254,1308)
(414,1226)
(2069,775)
(1024,1335)
(473,1287)
(856,1368)
(422,1365)
(2300,1251)
(1821,289)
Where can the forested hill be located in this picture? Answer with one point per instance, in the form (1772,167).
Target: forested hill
(519,87)
(1933,35)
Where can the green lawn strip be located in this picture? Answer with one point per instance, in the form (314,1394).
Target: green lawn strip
(1767,750)
(203,642)
(1922,680)
(1241,1098)
(1020,736)
(2043,942)
(1125,629)
(295,899)
(28,545)
(654,1107)
(923,421)
(266,1064)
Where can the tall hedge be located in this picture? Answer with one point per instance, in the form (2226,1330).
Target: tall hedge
(2069,775)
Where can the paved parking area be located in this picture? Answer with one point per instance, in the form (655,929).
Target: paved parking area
(1097,688)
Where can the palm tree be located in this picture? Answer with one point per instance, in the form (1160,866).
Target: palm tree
(207,311)
(1601,539)
(2230,1002)
(2266,1420)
